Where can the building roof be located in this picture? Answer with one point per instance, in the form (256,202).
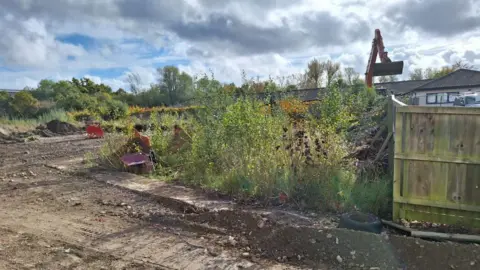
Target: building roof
(10,90)
(302,94)
(401,87)
(459,78)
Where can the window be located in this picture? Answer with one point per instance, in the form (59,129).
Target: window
(441,98)
(431,98)
(452,97)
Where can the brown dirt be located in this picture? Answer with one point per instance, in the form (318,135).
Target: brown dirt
(51,129)
(60,127)
(54,219)
(51,219)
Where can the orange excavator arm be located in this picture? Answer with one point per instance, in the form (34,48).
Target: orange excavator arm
(386,66)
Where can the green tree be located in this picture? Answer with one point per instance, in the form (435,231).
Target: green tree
(229,88)
(45,90)
(24,104)
(333,110)
(77,102)
(177,85)
(154,96)
(314,73)
(87,86)
(4,102)
(350,76)
(417,74)
(134,82)
(333,70)
(291,87)
(435,73)
(389,78)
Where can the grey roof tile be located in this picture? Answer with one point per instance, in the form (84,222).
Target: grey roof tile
(458,78)
(401,87)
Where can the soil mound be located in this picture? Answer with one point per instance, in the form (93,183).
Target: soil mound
(50,129)
(62,128)
(56,128)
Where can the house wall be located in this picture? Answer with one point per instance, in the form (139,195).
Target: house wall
(422,96)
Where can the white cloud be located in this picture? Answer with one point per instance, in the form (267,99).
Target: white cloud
(263,38)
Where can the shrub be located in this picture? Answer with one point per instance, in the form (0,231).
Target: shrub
(293,106)
(334,112)
(54,114)
(4,103)
(236,152)
(24,104)
(113,110)
(237,149)
(77,102)
(82,116)
(135,109)
(239,146)
(112,150)
(373,196)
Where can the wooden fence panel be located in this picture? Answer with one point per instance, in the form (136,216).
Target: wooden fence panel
(437,165)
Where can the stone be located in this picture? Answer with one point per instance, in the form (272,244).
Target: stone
(339,259)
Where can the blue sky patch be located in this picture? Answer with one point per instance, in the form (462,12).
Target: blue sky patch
(107,72)
(84,41)
(144,50)
(152,53)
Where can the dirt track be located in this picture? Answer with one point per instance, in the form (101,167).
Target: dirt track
(51,219)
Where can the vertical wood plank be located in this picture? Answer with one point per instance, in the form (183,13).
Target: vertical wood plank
(445,132)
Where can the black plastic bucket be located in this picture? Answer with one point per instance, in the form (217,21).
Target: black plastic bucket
(385,69)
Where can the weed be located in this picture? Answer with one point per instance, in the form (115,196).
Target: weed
(373,196)
(239,146)
(89,160)
(112,150)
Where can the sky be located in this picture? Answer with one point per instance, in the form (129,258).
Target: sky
(105,40)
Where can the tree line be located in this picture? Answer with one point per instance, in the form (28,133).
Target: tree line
(429,73)
(174,87)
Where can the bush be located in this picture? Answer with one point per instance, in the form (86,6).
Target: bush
(77,102)
(138,111)
(239,146)
(293,107)
(54,114)
(233,147)
(4,103)
(82,116)
(373,196)
(113,110)
(23,104)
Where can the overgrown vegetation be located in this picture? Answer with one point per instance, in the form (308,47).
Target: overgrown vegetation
(232,139)
(285,151)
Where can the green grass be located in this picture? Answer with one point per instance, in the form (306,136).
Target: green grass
(18,124)
(373,196)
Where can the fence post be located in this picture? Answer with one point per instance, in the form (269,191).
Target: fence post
(391,130)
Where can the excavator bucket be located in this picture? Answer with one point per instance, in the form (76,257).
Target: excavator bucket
(385,69)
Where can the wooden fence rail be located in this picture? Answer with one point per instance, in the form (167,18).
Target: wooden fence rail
(437,165)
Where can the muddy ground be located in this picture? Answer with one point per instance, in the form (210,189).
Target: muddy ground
(55,219)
